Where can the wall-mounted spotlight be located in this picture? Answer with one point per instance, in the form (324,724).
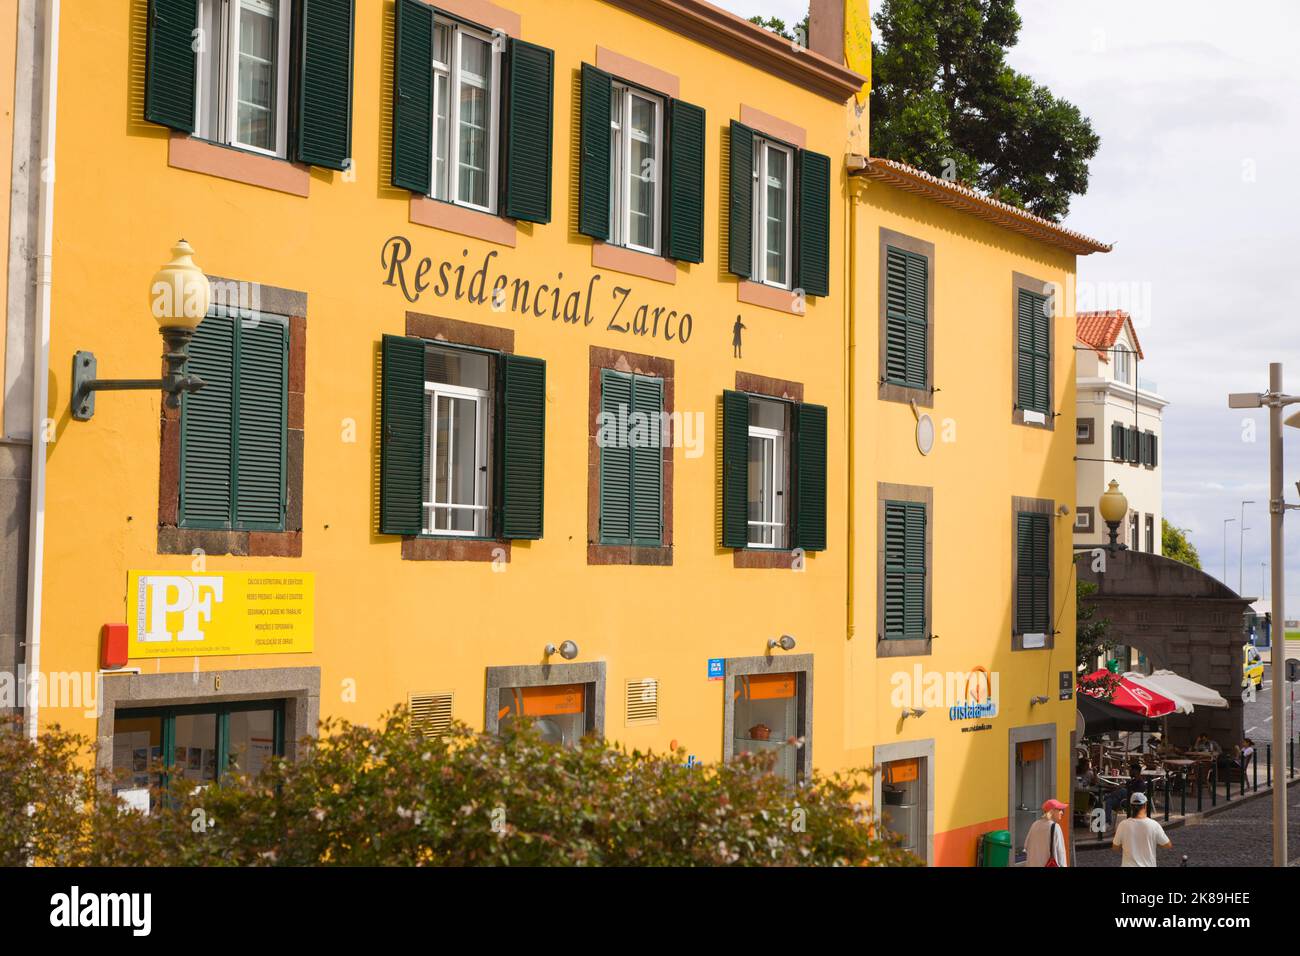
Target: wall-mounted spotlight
(786,643)
(568,650)
(913,712)
(1040,699)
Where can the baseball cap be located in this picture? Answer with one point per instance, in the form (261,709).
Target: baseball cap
(1138,799)
(1054,805)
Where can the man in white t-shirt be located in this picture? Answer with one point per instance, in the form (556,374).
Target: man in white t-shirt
(1138,836)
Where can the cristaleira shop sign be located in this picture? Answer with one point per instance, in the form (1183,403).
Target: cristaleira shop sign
(201,615)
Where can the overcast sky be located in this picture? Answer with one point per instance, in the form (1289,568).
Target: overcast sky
(1200,128)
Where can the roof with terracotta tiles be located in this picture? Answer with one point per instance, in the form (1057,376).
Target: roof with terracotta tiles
(975,203)
(1102,329)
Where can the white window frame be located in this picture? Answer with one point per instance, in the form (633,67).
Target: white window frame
(434,391)
(222,49)
(450,75)
(762,150)
(621,173)
(777,490)
(1123,364)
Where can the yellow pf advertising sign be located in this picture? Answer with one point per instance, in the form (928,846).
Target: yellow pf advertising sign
(857,42)
(198,615)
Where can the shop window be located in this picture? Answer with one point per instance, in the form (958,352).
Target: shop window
(767,714)
(1032,788)
(243,74)
(463,452)
(903,802)
(198,743)
(561,713)
(234,430)
(631,458)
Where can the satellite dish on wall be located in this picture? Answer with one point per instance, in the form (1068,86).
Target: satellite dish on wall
(924,434)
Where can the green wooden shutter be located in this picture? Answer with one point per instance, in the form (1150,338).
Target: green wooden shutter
(810,477)
(1155,450)
(523,446)
(814,237)
(1116,441)
(207,429)
(1033,381)
(169,63)
(914,622)
(906,318)
(261,397)
(413,97)
(735,469)
(647,461)
(1033,574)
(529,127)
(402,437)
(905,570)
(615,458)
(594,135)
(740,232)
(685,182)
(325,83)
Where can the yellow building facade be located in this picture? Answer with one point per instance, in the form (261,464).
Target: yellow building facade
(543,380)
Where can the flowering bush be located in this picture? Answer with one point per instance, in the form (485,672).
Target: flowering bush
(385,796)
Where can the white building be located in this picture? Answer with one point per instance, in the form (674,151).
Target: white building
(1118,431)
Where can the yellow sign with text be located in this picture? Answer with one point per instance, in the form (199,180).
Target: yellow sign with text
(201,615)
(857,42)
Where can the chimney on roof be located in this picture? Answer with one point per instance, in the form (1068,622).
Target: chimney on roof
(826,28)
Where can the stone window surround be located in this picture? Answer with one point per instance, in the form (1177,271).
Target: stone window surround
(788,391)
(602,358)
(173,539)
(1021,281)
(882,754)
(912,647)
(547,675)
(1028,734)
(299,687)
(1043,506)
(889,391)
(801,664)
(1091,426)
(454,332)
(1090,513)
(747,290)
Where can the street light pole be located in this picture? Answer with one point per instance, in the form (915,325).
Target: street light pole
(1226,521)
(1277,510)
(1241,548)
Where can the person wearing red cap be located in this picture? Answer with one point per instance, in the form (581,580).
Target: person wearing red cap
(1045,841)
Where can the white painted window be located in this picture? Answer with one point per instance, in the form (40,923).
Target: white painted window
(636,148)
(1123,364)
(457,389)
(773,212)
(466,94)
(242,96)
(767,471)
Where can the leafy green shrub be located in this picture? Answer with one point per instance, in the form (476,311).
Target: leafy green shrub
(385,796)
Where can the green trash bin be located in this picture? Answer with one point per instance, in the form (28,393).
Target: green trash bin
(995,848)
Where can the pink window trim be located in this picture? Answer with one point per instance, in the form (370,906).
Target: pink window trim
(773,126)
(643,264)
(484,13)
(642,74)
(767,296)
(237,165)
(464,222)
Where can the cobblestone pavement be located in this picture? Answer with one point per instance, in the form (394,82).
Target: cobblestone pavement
(1241,836)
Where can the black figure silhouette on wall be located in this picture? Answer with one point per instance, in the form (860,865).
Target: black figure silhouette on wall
(735,336)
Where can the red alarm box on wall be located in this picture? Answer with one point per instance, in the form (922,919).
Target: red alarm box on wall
(112,646)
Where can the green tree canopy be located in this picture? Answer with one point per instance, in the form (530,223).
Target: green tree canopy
(1175,544)
(943,99)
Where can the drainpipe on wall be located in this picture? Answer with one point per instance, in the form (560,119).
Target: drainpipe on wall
(41,354)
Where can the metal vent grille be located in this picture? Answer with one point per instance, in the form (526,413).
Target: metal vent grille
(643,701)
(430,714)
